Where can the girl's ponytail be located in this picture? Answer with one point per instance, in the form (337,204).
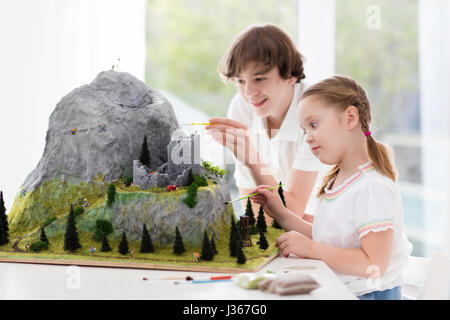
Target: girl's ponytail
(380,158)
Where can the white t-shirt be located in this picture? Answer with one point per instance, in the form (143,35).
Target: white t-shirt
(286,151)
(367,201)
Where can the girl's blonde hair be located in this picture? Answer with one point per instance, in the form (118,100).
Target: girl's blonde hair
(342,92)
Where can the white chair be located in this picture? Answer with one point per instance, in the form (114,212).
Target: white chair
(427,279)
(436,285)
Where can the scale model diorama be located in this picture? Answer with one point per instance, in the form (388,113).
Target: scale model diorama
(119,184)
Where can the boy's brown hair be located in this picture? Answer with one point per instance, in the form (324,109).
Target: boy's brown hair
(342,92)
(266,44)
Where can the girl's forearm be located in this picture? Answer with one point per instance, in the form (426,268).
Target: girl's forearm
(291,222)
(346,260)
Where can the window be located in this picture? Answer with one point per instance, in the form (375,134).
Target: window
(377,43)
(187,38)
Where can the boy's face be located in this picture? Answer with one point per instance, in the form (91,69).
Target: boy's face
(268,93)
(324,132)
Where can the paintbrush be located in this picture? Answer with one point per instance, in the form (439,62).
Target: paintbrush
(196,124)
(253,194)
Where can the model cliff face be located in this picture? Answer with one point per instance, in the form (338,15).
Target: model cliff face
(112,115)
(95,133)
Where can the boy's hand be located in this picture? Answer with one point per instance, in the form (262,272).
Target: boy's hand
(234,136)
(269,199)
(295,243)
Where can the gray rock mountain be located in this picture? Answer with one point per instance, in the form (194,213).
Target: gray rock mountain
(98,129)
(95,135)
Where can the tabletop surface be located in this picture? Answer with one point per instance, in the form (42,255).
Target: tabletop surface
(36,281)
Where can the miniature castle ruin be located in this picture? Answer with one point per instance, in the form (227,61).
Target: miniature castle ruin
(183,154)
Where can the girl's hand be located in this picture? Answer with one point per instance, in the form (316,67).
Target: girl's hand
(234,136)
(295,243)
(269,199)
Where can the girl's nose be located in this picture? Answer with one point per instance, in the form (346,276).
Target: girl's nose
(309,139)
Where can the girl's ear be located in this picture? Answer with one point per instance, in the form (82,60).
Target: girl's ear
(352,117)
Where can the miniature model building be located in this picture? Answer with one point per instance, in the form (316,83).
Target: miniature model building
(115,160)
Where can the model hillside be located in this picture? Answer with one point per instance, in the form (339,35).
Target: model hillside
(97,136)
(119,176)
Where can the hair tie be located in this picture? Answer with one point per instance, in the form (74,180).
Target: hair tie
(367,133)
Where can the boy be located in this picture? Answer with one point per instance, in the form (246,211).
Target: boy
(268,71)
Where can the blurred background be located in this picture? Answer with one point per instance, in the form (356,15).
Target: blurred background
(395,49)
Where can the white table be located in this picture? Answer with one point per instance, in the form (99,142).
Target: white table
(31,281)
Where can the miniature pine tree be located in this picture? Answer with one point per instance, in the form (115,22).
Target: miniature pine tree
(207,252)
(178,247)
(190,179)
(261,221)
(275,224)
(71,241)
(241,259)
(213,246)
(235,234)
(280,192)
(4,234)
(105,244)
(145,154)
(43,235)
(263,244)
(111,195)
(249,213)
(146,242)
(123,246)
(191,198)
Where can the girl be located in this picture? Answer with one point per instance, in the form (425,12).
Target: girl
(358,226)
(268,71)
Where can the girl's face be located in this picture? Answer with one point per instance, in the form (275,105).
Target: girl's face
(324,132)
(268,93)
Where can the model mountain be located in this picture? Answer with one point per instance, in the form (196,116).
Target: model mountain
(95,134)
(111,115)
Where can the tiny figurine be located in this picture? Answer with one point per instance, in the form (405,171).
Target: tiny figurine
(196,256)
(101,127)
(85,202)
(74,131)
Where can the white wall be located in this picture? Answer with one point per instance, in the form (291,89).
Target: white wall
(47,49)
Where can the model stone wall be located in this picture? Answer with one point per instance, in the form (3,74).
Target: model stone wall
(184,156)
